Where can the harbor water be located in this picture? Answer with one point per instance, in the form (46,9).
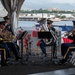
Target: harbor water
(32,23)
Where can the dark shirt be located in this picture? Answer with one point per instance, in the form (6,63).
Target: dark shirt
(53,29)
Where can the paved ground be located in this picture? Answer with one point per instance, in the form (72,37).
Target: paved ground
(34,65)
(70,71)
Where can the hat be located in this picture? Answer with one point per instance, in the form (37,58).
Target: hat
(6,18)
(49,21)
(2,21)
(73,23)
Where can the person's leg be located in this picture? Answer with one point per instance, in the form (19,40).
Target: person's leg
(17,47)
(64,47)
(43,47)
(67,52)
(14,49)
(7,50)
(54,54)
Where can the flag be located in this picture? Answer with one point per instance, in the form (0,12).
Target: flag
(37,26)
(66,40)
(66,28)
(34,34)
(38,43)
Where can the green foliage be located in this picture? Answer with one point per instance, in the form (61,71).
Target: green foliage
(46,11)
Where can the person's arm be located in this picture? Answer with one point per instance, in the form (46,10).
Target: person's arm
(0,31)
(70,37)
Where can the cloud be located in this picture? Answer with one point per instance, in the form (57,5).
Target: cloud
(63,1)
(36,4)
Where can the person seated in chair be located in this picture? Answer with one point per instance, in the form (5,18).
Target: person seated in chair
(54,37)
(52,40)
(3,46)
(6,36)
(8,28)
(67,48)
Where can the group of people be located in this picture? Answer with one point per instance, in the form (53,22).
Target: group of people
(6,41)
(66,48)
(6,34)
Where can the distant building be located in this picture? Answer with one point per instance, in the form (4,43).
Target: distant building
(51,9)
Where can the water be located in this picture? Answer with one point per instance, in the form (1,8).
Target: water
(26,23)
(32,23)
(68,23)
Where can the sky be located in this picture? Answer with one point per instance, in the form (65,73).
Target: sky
(45,4)
(50,1)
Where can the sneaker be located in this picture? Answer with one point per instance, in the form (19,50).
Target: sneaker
(63,61)
(17,58)
(3,63)
(8,62)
